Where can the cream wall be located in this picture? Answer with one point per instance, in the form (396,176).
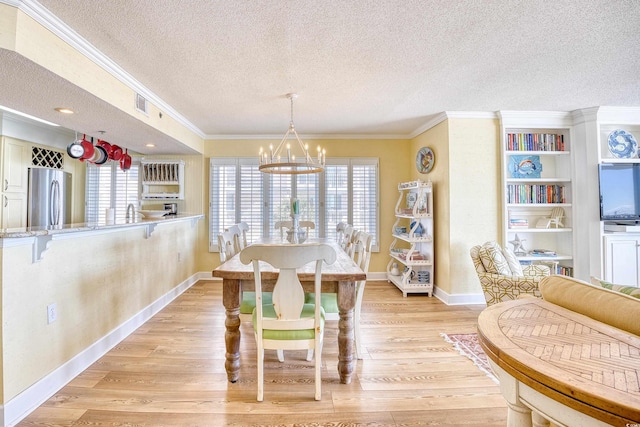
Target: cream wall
(392,155)
(466,177)
(97,280)
(437,139)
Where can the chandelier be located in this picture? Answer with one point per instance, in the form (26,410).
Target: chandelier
(283,159)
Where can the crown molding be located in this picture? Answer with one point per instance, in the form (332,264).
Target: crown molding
(536,119)
(52,23)
(619,115)
(445,115)
(306,137)
(437,119)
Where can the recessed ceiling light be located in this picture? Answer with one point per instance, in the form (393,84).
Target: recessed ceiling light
(64,110)
(150,145)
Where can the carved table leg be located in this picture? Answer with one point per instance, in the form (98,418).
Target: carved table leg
(346,303)
(231,301)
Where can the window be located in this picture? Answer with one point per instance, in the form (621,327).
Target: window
(107,186)
(347,191)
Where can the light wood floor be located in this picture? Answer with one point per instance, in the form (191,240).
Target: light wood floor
(170,372)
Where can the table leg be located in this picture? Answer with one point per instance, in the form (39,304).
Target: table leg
(346,303)
(231,301)
(518,415)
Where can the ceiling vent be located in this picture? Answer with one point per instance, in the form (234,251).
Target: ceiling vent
(141,104)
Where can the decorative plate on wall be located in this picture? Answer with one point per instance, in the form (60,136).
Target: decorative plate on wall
(425,160)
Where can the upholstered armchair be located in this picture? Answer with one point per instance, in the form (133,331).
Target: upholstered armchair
(501,275)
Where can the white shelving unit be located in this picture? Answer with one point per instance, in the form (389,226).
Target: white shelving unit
(412,247)
(537,176)
(617,251)
(162,180)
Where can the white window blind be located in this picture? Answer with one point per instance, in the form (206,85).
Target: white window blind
(336,197)
(251,201)
(107,186)
(236,195)
(240,193)
(364,198)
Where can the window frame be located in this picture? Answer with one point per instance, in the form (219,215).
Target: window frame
(95,199)
(320,192)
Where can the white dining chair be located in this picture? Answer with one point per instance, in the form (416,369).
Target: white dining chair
(288,225)
(283,226)
(288,323)
(227,245)
(244,229)
(238,241)
(329,301)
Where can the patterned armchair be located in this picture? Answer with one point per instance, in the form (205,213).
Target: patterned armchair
(501,275)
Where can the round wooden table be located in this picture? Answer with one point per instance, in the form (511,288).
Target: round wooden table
(555,364)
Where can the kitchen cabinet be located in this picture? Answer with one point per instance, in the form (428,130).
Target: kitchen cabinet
(13,197)
(163,180)
(622,258)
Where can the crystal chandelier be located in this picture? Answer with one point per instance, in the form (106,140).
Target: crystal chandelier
(283,159)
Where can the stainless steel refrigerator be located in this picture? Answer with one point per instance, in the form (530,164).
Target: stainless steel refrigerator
(49,202)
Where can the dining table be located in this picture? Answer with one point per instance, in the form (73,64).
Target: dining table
(340,277)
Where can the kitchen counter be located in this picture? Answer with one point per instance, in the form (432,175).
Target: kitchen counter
(9,233)
(41,237)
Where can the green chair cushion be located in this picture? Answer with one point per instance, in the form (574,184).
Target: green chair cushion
(328,301)
(249,301)
(308,310)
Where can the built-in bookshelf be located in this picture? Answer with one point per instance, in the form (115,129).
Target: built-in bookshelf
(537,184)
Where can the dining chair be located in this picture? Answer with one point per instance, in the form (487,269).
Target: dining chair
(283,226)
(352,243)
(244,229)
(288,225)
(288,323)
(238,240)
(329,300)
(340,232)
(226,245)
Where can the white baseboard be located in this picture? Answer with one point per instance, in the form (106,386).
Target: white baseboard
(459,299)
(26,402)
(449,299)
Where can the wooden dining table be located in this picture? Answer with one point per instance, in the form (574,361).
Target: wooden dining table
(339,277)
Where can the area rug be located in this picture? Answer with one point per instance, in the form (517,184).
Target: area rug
(468,345)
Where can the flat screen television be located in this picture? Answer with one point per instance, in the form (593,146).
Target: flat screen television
(619,192)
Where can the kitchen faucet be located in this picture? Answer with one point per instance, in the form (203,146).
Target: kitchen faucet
(131,212)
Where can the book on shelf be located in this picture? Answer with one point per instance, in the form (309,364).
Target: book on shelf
(535,142)
(518,223)
(416,256)
(543,252)
(535,193)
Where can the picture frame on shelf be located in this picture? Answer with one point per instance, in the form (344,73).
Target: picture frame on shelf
(525,166)
(411,199)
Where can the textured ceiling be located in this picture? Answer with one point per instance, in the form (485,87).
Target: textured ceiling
(374,67)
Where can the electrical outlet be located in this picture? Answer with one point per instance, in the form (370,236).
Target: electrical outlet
(52,313)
